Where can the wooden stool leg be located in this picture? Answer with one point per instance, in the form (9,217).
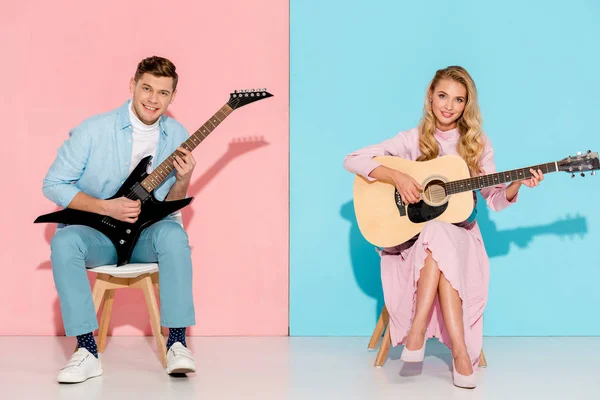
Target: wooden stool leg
(155,284)
(146,284)
(154,277)
(384,317)
(384,348)
(482,361)
(97,294)
(109,297)
(99,289)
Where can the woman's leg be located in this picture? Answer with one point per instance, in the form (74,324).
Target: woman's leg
(451,305)
(427,288)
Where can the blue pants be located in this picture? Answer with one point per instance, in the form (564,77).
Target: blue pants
(77,247)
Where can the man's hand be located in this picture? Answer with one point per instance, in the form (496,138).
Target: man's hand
(184,165)
(123,209)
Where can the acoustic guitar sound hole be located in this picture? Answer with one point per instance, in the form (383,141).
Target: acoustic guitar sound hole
(435,192)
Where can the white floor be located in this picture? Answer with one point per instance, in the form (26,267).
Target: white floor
(303,368)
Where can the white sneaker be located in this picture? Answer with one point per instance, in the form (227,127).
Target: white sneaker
(81,366)
(180,360)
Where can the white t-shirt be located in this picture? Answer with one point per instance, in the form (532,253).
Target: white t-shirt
(145,141)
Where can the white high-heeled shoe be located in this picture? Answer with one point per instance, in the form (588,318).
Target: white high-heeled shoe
(414,356)
(463,381)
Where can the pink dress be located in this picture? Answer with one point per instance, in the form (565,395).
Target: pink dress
(458,251)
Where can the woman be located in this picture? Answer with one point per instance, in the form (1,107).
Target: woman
(436,285)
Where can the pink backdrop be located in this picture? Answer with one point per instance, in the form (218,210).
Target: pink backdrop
(65,60)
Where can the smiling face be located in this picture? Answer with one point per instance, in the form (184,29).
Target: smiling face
(448,100)
(151,96)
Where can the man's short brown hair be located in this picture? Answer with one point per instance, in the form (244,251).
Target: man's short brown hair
(157,66)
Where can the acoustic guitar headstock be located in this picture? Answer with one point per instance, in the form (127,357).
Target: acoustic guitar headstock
(580,163)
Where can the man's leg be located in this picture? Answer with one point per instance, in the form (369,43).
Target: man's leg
(166,242)
(73,248)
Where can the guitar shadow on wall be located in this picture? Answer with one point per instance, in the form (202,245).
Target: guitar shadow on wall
(127,309)
(236,148)
(365,260)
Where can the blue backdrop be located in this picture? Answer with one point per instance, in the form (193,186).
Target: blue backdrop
(359,72)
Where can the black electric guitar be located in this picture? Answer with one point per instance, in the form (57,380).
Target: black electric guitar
(140,186)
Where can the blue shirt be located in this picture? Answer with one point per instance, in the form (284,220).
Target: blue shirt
(95,158)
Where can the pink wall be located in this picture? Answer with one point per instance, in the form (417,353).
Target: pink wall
(66,60)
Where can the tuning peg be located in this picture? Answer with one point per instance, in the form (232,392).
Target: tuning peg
(572,175)
(593,173)
(582,174)
(589,151)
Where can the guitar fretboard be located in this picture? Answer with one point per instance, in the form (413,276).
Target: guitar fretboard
(480,182)
(161,172)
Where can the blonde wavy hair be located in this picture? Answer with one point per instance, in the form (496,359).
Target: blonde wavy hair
(470,144)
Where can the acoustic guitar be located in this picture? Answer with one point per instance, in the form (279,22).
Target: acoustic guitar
(386,221)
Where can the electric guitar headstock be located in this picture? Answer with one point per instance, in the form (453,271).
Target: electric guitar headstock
(580,163)
(240,98)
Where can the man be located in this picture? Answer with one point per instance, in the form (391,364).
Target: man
(91,166)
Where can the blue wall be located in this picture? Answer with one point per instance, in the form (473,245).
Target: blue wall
(359,71)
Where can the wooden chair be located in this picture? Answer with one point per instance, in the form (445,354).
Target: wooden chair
(383,324)
(140,276)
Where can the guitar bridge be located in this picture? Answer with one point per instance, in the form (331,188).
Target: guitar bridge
(399,203)
(108,221)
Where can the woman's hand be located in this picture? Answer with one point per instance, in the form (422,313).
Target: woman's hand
(535,180)
(409,189)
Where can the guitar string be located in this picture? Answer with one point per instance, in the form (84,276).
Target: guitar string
(440,191)
(453,185)
(132,194)
(238,101)
(194,145)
